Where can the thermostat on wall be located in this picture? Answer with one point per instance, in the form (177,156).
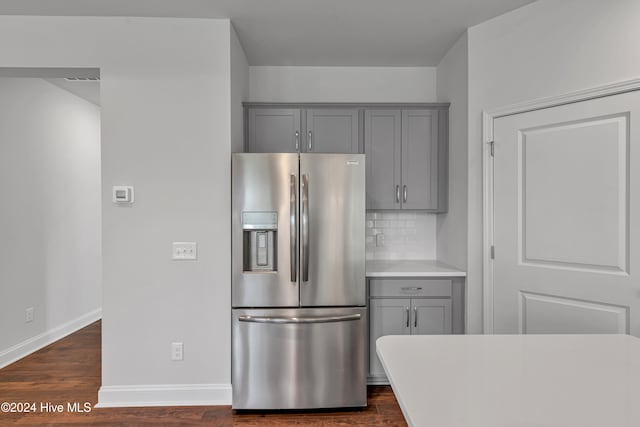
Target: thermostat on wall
(122,194)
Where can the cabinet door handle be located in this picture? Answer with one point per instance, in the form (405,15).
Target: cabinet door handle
(407,309)
(309,146)
(415,317)
(404,193)
(412,288)
(397,194)
(297,140)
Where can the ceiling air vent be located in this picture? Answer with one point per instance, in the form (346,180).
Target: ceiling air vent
(82,79)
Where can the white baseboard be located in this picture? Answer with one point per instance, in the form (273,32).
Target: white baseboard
(164,395)
(33,344)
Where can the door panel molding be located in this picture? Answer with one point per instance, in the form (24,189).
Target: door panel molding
(488,117)
(609,244)
(574,315)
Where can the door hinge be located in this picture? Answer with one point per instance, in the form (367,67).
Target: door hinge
(493,252)
(491,146)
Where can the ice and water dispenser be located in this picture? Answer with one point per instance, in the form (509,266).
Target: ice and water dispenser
(260,241)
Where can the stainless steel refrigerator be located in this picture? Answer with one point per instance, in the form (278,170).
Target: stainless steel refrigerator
(298,281)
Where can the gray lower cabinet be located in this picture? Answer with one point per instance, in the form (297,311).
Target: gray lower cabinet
(389,316)
(410,306)
(407,159)
(431,316)
(313,130)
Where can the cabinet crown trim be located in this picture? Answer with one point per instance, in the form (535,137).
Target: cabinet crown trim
(404,105)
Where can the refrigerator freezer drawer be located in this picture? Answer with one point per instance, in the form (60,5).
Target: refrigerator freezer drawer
(299,358)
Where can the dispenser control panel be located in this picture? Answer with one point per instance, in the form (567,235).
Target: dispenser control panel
(260,241)
(260,220)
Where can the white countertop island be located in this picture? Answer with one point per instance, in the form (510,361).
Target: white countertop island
(411,268)
(515,380)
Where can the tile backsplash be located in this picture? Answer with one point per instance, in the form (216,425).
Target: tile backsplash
(401,235)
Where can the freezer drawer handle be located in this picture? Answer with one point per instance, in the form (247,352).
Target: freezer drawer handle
(293,227)
(281,320)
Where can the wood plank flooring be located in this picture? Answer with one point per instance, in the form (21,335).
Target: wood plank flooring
(69,371)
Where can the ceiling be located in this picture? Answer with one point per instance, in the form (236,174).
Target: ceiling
(310,32)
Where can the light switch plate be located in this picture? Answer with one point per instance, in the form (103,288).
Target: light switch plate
(185,251)
(177,351)
(122,194)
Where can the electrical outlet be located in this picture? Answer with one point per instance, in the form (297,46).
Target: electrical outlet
(28,314)
(380,239)
(185,251)
(177,351)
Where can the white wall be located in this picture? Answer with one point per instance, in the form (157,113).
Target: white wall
(166,130)
(342,84)
(453,87)
(50,216)
(239,91)
(543,49)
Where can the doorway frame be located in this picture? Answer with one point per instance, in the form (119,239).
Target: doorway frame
(488,118)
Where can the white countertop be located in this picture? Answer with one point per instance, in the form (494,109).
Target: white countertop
(515,380)
(411,268)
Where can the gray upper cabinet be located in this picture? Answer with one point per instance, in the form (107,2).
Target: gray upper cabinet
(420,159)
(382,147)
(406,145)
(331,130)
(313,130)
(273,130)
(407,159)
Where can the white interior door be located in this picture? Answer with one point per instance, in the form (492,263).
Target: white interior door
(566,204)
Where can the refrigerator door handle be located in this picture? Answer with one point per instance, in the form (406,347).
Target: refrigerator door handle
(305,227)
(293,229)
(284,320)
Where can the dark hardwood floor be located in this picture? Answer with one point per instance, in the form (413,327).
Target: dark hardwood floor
(69,371)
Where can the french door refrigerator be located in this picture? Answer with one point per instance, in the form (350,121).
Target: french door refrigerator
(299,318)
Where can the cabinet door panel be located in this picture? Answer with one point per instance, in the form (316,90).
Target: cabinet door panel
(430,316)
(386,317)
(420,159)
(382,134)
(274,130)
(331,130)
